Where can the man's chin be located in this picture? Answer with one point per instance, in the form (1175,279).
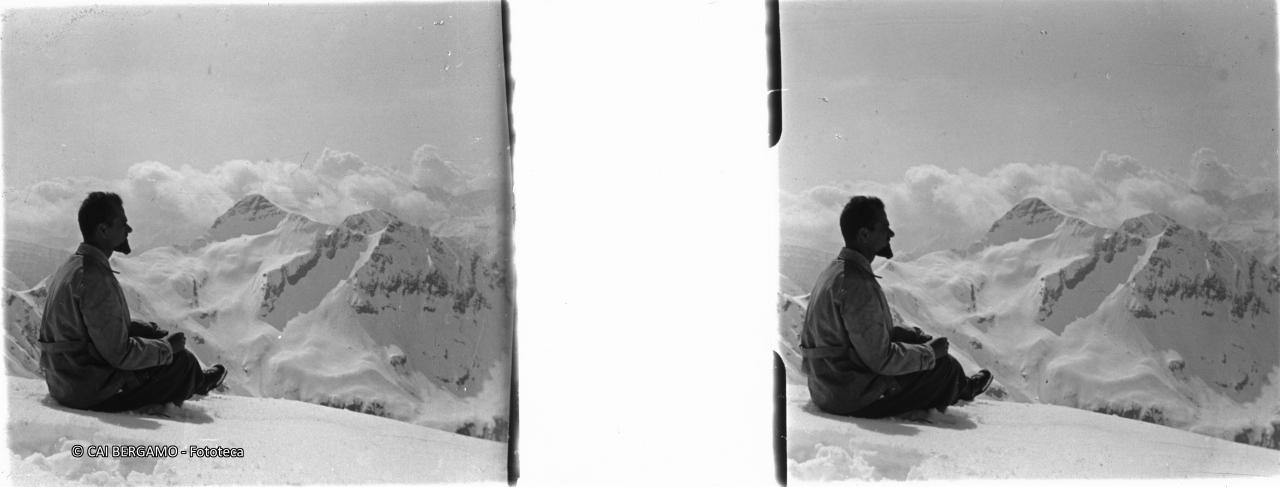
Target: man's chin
(124,248)
(886,252)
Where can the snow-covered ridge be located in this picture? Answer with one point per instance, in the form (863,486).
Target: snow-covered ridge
(376,314)
(1150,320)
(803,266)
(25,263)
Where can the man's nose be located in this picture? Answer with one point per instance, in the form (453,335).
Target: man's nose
(891,234)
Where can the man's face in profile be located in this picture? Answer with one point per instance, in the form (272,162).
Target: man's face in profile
(881,236)
(117,233)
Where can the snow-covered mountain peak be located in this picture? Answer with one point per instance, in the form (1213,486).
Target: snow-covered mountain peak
(1030,218)
(1031,206)
(252,215)
(369,221)
(1148,225)
(253,204)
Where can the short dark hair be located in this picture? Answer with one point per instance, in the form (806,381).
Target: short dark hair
(859,212)
(98,207)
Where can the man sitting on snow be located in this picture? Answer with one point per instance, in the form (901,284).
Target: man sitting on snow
(858,362)
(93,355)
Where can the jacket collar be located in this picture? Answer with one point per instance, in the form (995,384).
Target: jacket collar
(92,253)
(856,259)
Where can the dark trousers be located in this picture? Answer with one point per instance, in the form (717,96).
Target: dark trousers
(938,387)
(161,384)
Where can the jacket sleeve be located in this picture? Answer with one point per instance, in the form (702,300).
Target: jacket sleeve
(899,333)
(145,330)
(903,334)
(106,322)
(869,327)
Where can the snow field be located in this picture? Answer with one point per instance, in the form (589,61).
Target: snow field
(283,441)
(1004,440)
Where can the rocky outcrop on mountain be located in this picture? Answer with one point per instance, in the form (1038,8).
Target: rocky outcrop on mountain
(440,304)
(1266,436)
(1076,290)
(22,327)
(1213,304)
(328,259)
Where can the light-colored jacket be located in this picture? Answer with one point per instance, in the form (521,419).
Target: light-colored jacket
(848,339)
(86,352)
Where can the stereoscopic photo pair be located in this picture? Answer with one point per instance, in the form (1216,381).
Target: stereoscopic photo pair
(287,231)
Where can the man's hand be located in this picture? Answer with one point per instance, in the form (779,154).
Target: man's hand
(921,335)
(939,346)
(178,341)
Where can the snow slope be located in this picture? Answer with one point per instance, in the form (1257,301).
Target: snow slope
(802,268)
(282,441)
(1004,440)
(25,263)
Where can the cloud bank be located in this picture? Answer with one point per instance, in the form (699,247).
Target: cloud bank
(933,208)
(174,206)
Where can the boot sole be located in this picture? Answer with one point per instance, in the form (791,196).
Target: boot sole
(222,376)
(982,386)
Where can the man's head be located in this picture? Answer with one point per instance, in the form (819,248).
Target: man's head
(103,223)
(865,227)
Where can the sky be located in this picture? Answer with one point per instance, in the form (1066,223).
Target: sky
(224,99)
(1005,97)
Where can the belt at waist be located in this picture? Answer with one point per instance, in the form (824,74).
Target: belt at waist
(64,346)
(823,352)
